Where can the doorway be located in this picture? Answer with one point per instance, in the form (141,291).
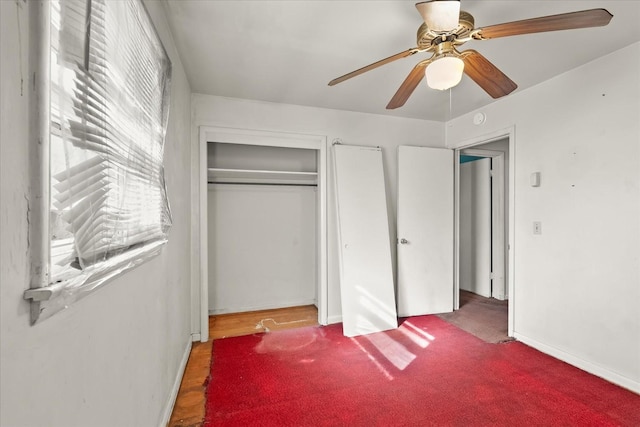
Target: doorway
(483,220)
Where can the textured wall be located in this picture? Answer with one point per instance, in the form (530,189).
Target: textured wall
(112,358)
(577,284)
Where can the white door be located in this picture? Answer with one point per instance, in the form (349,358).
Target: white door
(425,231)
(366,273)
(475,226)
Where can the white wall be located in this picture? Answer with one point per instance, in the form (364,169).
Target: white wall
(262,247)
(577,286)
(352,128)
(111,359)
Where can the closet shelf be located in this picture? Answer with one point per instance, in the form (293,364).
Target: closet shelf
(250,176)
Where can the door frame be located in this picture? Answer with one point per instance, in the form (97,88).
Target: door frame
(268,139)
(509,135)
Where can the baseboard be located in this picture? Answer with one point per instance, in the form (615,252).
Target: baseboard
(261,307)
(337,318)
(587,366)
(195,337)
(166,416)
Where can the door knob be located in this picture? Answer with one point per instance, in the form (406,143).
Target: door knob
(403,241)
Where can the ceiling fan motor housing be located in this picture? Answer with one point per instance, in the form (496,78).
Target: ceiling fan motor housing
(426,37)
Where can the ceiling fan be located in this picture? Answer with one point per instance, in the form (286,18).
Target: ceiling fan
(446,27)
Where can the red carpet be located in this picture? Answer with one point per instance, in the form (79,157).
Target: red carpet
(427,372)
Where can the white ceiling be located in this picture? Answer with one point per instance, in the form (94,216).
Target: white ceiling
(287,51)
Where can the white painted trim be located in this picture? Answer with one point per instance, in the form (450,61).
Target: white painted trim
(511,249)
(483,139)
(456,229)
(261,307)
(323,230)
(510,134)
(481,152)
(39,87)
(195,337)
(336,318)
(196,179)
(168,409)
(269,139)
(498,209)
(224,135)
(589,367)
(203,308)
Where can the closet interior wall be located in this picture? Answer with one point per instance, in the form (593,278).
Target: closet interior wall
(262,219)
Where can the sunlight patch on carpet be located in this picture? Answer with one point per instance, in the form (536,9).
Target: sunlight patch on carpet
(419,331)
(377,364)
(408,330)
(395,352)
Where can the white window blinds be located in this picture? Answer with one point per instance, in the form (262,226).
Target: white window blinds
(109,106)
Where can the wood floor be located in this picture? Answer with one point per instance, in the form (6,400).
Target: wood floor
(189,408)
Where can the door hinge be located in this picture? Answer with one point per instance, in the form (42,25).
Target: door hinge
(492,275)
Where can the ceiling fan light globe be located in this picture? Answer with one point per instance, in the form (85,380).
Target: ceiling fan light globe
(440,15)
(444,73)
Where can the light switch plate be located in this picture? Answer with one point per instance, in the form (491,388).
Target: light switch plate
(535,179)
(537,227)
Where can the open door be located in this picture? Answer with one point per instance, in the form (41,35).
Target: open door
(425,231)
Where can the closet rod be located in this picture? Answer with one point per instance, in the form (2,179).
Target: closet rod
(262,183)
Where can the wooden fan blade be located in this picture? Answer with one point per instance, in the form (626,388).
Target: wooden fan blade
(487,75)
(563,21)
(408,86)
(369,67)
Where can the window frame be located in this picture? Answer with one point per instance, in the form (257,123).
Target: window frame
(48,298)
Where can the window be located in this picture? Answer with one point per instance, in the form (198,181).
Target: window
(109,100)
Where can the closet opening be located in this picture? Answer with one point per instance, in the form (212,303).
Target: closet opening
(262,227)
(263,241)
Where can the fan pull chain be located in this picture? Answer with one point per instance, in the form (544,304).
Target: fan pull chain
(450,102)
